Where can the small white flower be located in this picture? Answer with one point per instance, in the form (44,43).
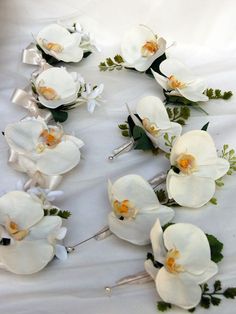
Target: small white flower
(135,209)
(195,156)
(56,87)
(155,121)
(57,41)
(91,96)
(178,80)
(184,252)
(43,148)
(141,47)
(32,235)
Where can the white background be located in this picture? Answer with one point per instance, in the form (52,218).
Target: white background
(205,36)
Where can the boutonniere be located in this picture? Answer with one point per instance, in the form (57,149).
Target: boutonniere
(57,43)
(29,239)
(134,209)
(141,50)
(184,258)
(149,128)
(56,91)
(44,152)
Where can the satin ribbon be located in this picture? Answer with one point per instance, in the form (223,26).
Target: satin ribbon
(24,164)
(26,100)
(31,55)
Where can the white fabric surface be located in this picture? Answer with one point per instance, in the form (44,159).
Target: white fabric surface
(205,33)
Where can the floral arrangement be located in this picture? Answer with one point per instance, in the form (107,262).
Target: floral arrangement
(141,212)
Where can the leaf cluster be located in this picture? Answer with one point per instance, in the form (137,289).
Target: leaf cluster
(178,114)
(218,94)
(112,64)
(65,214)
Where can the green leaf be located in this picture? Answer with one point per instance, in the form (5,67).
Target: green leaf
(167,225)
(192,310)
(178,114)
(65,214)
(141,139)
(205,302)
(109,62)
(213,201)
(119,59)
(205,287)
(59,115)
(161,195)
(217,285)
(215,301)
(125,133)
(230,293)
(205,126)
(155,66)
(163,306)
(216,248)
(123,126)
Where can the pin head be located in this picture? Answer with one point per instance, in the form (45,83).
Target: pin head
(69,249)
(108,290)
(110,157)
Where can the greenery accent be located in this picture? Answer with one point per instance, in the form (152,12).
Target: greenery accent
(164,200)
(65,214)
(59,115)
(216,248)
(141,139)
(178,114)
(112,64)
(169,143)
(213,201)
(217,94)
(163,306)
(205,126)
(229,154)
(155,66)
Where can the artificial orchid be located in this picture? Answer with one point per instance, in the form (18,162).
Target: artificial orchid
(28,238)
(177,80)
(135,208)
(195,167)
(183,250)
(154,120)
(140,47)
(41,148)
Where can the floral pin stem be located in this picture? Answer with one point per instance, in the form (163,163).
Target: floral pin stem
(122,149)
(105,231)
(140,277)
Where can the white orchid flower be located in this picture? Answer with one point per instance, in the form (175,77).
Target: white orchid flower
(141,47)
(32,235)
(155,121)
(194,156)
(56,87)
(135,209)
(43,148)
(57,41)
(91,96)
(178,80)
(184,252)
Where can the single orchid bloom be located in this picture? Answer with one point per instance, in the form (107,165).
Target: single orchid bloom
(43,148)
(177,80)
(55,40)
(135,208)
(56,87)
(153,118)
(191,182)
(28,238)
(141,47)
(184,252)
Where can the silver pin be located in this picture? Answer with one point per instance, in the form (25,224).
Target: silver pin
(157,180)
(102,234)
(141,277)
(122,149)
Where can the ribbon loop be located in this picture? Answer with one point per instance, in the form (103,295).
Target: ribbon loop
(31,55)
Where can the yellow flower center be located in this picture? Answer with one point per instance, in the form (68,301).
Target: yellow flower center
(48,92)
(124,209)
(186,163)
(170,262)
(49,138)
(174,83)
(149,48)
(52,46)
(150,127)
(15,232)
